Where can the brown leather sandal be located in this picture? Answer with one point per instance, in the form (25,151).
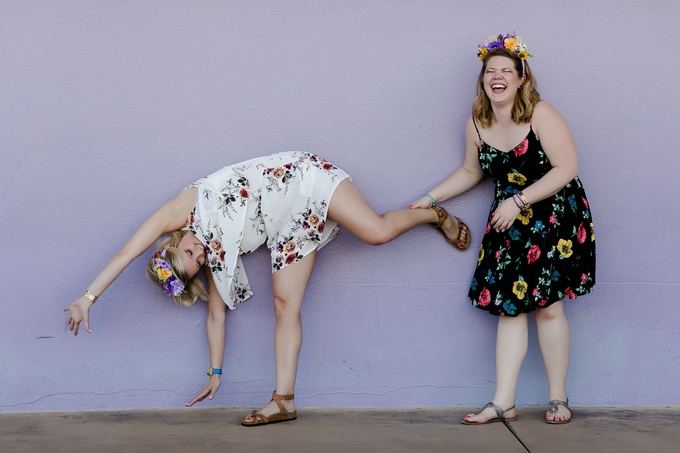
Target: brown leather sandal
(457,242)
(282,416)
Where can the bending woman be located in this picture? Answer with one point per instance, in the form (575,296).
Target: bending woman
(539,245)
(293,201)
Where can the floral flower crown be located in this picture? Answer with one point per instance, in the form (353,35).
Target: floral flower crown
(172,286)
(511,41)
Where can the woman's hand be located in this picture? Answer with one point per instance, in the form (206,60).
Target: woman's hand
(209,390)
(80,311)
(505,215)
(423,202)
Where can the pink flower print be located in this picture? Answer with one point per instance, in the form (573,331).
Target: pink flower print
(216,245)
(290,247)
(278,172)
(542,303)
(498,254)
(488,227)
(534,293)
(222,253)
(243,192)
(552,219)
(581,234)
(533,254)
(314,219)
(521,148)
(291,258)
(320,227)
(327,166)
(570,293)
(584,277)
(585,202)
(484,298)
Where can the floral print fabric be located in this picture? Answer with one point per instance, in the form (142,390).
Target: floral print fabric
(280,199)
(549,251)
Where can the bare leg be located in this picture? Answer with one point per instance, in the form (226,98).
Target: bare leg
(511,348)
(350,209)
(289,285)
(554,340)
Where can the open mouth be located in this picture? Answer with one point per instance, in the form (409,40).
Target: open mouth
(498,88)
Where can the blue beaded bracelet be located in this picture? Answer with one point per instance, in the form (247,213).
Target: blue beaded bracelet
(434,203)
(212,371)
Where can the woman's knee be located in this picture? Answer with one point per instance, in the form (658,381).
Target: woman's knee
(285,308)
(377,234)
(550,313)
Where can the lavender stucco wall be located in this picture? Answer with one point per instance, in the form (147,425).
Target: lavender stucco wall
(107,109)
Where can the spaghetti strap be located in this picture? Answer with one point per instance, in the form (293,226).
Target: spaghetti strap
(475,123)
(531,127)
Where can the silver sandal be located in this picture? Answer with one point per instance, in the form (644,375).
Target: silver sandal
(552,408)
(500,415)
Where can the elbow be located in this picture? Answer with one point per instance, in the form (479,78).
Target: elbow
(217,317)
(574,171)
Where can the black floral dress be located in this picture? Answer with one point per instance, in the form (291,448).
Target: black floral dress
(548,253)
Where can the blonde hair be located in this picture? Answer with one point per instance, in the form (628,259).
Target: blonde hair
(525,101)
(193,287)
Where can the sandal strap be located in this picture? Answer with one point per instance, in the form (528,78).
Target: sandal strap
(277,399)
(441,213)
(553,406)
(257,417)
(500,413)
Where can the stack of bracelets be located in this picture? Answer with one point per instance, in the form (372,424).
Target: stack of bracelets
(521,201)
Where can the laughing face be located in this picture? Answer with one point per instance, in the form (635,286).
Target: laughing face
(501,80)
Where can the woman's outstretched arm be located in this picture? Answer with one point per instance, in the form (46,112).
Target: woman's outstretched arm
(170,217)
(217,310)
(461,180)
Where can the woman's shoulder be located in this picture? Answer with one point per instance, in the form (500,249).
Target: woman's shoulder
(544,110)
(545,115)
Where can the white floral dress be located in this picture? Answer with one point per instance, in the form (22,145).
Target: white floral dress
(280,199)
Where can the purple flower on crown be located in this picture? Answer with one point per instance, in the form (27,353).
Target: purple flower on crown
(172,286)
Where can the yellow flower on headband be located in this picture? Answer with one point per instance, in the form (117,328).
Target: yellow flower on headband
(510,44)
(523,55)
(483,52)
(163,274)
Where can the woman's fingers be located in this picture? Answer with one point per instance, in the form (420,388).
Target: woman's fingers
(200,397)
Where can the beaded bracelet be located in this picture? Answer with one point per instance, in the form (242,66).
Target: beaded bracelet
(518,202)
(212,371)
(434,203)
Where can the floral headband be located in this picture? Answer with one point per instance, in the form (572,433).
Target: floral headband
(172,286)
(511,41)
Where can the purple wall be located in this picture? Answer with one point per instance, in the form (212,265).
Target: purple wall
(107,109)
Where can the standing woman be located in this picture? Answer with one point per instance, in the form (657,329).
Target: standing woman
(539,245)
(293,201)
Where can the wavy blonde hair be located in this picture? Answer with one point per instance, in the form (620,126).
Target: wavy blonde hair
(525,101)
(193,287)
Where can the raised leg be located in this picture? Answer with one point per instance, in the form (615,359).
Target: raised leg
(511,347)
(554,339)
(350,209)
(289,285)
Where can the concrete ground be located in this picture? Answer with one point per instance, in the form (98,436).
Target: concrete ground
(339,430)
